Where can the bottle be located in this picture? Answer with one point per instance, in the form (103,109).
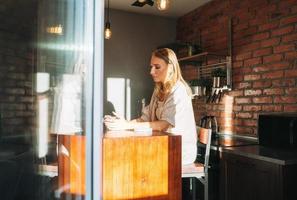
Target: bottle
(190,49)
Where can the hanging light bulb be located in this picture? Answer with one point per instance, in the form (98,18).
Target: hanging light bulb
(162,4)
(58,30)
(107,30)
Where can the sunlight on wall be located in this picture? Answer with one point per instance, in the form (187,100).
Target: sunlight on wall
(42,86)
(119,94)
(228,121)
(42,127)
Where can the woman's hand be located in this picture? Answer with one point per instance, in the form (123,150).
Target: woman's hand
(115,122)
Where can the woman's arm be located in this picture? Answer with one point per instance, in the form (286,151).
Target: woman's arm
(137,120)
(116,123)
(159,125)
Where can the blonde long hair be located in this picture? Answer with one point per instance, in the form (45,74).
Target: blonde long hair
(162,90)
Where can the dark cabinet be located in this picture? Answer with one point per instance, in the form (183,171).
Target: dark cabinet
(248,178)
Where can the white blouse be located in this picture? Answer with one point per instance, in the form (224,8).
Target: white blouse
(177,110)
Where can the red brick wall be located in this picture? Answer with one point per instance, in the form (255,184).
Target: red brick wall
(16,74)
(264,58)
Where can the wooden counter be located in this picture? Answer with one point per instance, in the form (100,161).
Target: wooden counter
(71,165)
(134,167)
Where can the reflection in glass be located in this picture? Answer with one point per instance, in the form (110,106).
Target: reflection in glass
(46,53)
(42,87)
(67,111)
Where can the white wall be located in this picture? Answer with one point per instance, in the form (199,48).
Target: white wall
(127,53)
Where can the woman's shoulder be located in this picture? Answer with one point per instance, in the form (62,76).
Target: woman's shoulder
(179,88)
(178,92)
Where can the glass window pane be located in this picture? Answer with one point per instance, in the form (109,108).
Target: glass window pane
(46,58)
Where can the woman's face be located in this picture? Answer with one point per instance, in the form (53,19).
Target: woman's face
(159,69)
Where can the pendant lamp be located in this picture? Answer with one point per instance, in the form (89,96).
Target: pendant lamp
(107,30)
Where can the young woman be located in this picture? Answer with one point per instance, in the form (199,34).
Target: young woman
(170,108)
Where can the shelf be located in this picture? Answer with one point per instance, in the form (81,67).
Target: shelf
(206,62)
(202,59)
(200,56)
(205,68)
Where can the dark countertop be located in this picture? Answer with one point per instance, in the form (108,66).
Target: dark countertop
(224,140)
(220,141)
(249,147)
(12,151)
(273,155)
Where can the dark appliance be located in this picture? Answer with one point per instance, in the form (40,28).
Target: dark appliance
(210,121)
(278,130)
